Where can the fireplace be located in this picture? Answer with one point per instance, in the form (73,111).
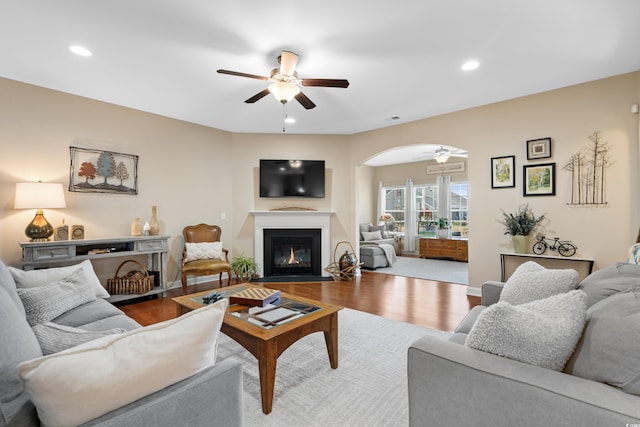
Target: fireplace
(290,220)
(292,252)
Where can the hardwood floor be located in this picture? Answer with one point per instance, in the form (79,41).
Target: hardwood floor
(436,305)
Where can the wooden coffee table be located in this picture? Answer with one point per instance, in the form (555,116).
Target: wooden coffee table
(265,338)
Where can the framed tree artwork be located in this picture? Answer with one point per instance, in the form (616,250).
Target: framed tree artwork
(99,171)
(503,172)
(539,180)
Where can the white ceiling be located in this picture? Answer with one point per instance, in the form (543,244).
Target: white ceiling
(402,58)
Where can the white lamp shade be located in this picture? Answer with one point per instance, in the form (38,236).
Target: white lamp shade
(39,195)
(284,92)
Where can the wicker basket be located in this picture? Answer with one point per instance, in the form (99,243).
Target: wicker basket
(348,273)
(134,282)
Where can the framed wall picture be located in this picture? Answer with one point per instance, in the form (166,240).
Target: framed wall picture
(539,180)
(539,149)
(503,172)
(99,171)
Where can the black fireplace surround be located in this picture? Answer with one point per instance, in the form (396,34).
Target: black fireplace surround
(292,252)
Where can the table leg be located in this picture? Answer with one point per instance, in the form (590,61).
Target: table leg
(331,339)
(267,362)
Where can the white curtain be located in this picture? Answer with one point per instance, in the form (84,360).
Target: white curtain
(409,218)
(380,202)
(444,196)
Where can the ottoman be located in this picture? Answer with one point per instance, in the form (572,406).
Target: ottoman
(372,257)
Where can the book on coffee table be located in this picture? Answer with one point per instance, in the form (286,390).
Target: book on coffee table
(254,297)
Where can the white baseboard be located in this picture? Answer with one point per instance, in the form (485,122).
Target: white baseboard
(196,280)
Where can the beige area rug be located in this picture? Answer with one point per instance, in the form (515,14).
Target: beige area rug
(430,269)
(369,388)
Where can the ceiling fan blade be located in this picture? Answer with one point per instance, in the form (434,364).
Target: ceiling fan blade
(305,101)
(257,96)
(325,82)
(235,73)
(288,61)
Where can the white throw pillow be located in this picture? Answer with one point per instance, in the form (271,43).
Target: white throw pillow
(371,235)
(205,250)
(35,278)
(92,379)
(47,302)
(531,282)
(542,333)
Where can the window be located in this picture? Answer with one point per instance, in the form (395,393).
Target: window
(426,202)
(426,197)
(394,205)
(459,209)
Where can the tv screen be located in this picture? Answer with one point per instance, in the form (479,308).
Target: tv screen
(292,178)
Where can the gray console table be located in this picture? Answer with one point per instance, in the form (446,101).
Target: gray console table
(47,254)
(510,262)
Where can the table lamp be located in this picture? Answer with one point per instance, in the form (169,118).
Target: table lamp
(39,195)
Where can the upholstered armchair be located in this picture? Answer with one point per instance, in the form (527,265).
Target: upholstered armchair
(203,253)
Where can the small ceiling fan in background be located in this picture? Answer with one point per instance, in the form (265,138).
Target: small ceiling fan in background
(442,154)
(285,84)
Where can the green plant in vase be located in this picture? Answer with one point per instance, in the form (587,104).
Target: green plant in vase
(519,225)
(244,268)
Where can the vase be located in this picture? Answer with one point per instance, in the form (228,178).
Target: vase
(154,226)
(136,227)
(520,244)
(443,233)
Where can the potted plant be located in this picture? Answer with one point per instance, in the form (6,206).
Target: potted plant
(519,225)
(244,268)
(443,228)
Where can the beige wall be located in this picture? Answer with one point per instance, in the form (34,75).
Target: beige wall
(183,168)
(194,174)
(568,116)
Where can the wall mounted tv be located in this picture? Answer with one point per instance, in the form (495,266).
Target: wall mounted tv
(292,178)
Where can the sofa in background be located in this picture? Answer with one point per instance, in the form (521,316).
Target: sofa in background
(211,396)
(450,383)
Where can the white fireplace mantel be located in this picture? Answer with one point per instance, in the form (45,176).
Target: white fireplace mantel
(294,220)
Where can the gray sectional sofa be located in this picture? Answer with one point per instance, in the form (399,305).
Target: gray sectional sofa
(451,383)
(212,396)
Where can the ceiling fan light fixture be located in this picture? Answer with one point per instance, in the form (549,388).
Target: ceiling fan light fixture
(441,157)
(284,92)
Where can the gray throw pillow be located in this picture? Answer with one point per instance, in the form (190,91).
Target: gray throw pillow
(364,228)
(610,280)
(47,302)
(371,235)
(381,228)
(531,282)
(542,333)
(608,350)
(54,338)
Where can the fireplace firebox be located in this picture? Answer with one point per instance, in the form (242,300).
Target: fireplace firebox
(292,252)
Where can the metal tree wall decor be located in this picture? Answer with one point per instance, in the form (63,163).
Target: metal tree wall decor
(588,172)
(98,171)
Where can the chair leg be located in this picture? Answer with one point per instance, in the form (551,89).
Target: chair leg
(228,277)
(184,284)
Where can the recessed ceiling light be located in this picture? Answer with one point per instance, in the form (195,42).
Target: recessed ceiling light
(470,65)
(80,50)
(289,120)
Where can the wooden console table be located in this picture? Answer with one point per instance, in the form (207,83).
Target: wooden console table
(47,254)
(456,249)
(511,261)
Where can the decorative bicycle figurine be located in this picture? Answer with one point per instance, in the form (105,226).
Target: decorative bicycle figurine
(564,247)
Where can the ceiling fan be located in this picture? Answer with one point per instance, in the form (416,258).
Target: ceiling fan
(285,84)
(442,154)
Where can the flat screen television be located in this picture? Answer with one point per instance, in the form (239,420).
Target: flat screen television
(292,178)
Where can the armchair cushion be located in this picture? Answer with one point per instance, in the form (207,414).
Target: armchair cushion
(105,374)
(204,250)
(531,282)
(542,333)
(371,235)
